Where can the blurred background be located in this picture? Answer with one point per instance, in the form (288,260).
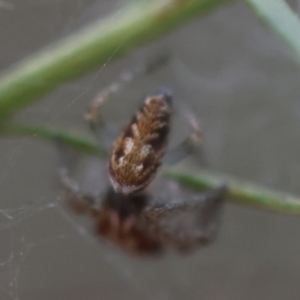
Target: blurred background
(243,84)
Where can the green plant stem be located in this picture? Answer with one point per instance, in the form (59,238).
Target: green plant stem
(93,46)
(76,140)
(241,192)
(279,17)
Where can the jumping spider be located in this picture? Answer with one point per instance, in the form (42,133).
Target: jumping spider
(128,215)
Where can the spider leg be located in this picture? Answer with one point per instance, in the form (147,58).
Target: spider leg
(78,202)
(189,145)
(75,199)
(93,116)
(169,222)
(212,197)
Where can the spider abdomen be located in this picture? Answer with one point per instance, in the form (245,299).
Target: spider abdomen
(137,153)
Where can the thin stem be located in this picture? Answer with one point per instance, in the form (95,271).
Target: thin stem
(241,192)
(93,46)
(76,140)
(279,17)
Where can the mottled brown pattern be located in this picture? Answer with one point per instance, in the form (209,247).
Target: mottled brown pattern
(127,234)
(120,222)
(137,153)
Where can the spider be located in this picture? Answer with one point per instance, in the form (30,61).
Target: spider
(128,215)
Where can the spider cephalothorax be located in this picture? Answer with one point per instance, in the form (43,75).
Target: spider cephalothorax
(145,225)
(137,152)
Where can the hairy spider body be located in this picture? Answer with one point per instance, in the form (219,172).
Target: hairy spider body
(137,152)
(143,225)
(122,225)
(126,214)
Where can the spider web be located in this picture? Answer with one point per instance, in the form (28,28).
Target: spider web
(48,253)
(22,234)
